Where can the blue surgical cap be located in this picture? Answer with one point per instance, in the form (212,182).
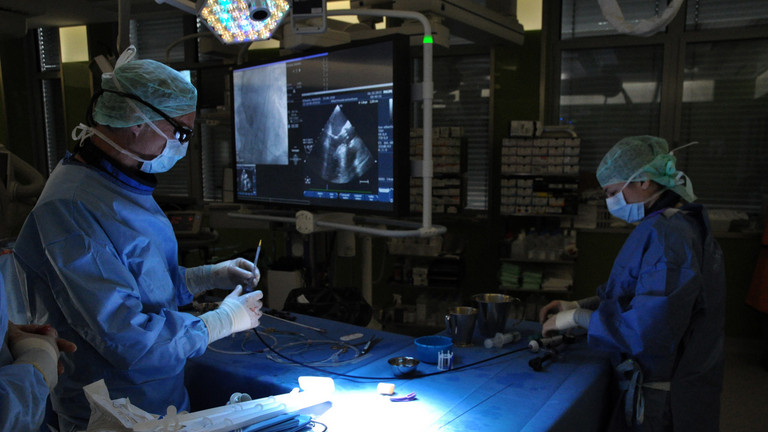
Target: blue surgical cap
(165,88)
(643,157)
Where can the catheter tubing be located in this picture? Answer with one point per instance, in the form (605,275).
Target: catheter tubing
(427,91)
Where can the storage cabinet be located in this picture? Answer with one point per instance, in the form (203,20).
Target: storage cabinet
(539,197)
(448,147)
(425,282)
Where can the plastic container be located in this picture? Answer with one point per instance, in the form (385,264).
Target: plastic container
(428,347)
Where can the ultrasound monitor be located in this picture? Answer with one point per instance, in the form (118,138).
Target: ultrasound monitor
(325,129)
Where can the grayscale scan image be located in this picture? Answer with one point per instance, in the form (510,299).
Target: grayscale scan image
(267,98)
(339,155)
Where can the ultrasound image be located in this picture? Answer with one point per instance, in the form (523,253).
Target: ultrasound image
(340,155)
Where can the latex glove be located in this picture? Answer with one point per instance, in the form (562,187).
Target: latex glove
(554,307)
(225,275)
(236,313)
(567,319)
(39,346)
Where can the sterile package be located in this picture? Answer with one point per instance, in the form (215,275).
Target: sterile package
(264,415)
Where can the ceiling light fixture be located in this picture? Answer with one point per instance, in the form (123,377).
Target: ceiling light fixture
(239,21)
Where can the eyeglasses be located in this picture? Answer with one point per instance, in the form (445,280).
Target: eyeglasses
(183,133)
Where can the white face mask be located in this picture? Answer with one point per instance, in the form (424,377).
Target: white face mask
(173,151)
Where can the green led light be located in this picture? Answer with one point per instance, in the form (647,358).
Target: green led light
(428,39)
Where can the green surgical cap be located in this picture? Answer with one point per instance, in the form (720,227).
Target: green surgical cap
(165,88)
(643,157)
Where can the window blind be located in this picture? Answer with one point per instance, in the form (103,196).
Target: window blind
(610,93)
(695,82)
(710,14)
(581,18)
(725,108)
(462,86)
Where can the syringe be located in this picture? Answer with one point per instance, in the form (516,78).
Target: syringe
(253,281)
(501,339)
(256,263)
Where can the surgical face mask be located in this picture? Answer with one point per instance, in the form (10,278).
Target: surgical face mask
(619,208)
(630,212)
(173,151)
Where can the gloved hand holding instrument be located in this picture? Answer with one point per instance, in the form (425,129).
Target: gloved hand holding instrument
(223,275)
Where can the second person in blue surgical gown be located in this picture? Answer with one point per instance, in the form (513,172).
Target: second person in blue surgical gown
(661,312)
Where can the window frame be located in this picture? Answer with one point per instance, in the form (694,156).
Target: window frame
(674,41)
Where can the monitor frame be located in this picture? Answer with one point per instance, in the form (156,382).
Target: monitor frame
(401,108)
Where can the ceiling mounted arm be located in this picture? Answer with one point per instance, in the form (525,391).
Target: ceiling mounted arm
(184,5)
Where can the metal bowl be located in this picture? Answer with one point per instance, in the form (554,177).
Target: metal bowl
(403,365)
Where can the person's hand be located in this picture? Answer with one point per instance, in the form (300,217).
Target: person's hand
(245,307)
(16,333)
(224,275)
(549,326)
(566,319)
(38,346)
(554,307)
(238,312)
(239,271)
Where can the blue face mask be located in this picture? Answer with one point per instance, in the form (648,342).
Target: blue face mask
(173,151)
(619,207)
(630,212)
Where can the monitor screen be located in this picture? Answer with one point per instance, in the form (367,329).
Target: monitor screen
(326,130)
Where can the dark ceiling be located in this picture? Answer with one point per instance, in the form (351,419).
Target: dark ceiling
(62,13)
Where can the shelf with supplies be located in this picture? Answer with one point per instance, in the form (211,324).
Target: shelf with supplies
(539,256)
(539,200)
(448,156)
(425,282)
(539,170)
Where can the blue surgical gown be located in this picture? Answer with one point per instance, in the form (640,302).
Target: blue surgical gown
(23,391)
(664,307)
(99,261)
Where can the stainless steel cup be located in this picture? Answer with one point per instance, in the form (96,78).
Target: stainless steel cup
(460,323)
(492,312)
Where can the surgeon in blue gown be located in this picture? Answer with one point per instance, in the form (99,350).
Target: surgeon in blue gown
(98,257)
(662,311)
(28,370)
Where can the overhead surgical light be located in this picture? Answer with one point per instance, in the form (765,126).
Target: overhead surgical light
(238,21)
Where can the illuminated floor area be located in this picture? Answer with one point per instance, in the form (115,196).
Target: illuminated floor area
(744,403)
